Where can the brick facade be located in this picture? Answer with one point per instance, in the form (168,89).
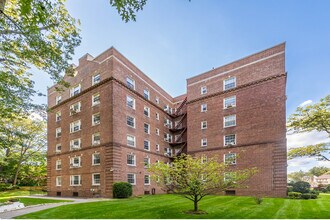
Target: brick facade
(259,130)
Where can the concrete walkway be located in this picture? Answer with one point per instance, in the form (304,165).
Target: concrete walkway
(35,208)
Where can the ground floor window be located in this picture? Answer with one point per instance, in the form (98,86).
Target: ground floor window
(131,178)
(96,179)
(146,179)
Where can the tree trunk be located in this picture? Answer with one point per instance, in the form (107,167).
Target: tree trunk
(16,174)
(195,204)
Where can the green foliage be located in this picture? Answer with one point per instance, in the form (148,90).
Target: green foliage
(258,200)
(294,195)
(318,171)
(122,190)
(6,187)
(301,186)
(128,8)
(306,196)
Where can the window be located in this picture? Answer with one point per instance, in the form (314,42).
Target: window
(146,145)
(131,160)
(96,159)
(146,94)
(58,181)
(75,126)
(96,119)
(157,116)
(58,148)
(96,79)
(58,99)
(146,128)
(75,162)
(75,180)
(203,90)
(229,176)
(75,144)
(131,140)
(168,151)
(230,139)
(130,121)
(203,107)
(229,83)
(96,99)
(75,108)
(96,139)
(157,131)
(203,124)
(146,179)
(229,102)
(167,123)
(203,159)
(157,100)
(146,161)
(157,147)
(75,90)
(130,102)
(167,137)
(131,178)
(96,179)
(130,83)
(229,121)
(58,132)
(58,164)
(230,158)
(146,111)
(204,142)
(58,116)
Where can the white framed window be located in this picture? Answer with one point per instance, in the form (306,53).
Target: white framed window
(204,142)
(58,181)
(96,159)
(229,121)
(96,79)
(167,123)
(230,158)
(167,137)
(146,111)
(96,139)
(146,179)
(229,83)
(157,131)
(58,99)
(58,116)
(131,140)
(130,121)
(203,90)
(96,179)
(130,102)
(157,100)
(58,132)
(75,90)
(203,158)
(58,148)
(229,176)
(146,145)
(146,162)
(229,139)
(229,102)
(130,83)
(75,144)
(75,126)
(96,119)
(146,128)
(203,124)
(131,178)
(157,116)
(75,108)
(157,147)
(203,107)
(96,99)
(131,160)
(146,94)
(58,164)
(75,180)
(75,161)
(168,151)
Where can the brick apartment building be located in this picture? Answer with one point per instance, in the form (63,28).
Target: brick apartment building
(115,120)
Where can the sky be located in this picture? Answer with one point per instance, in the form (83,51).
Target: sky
(173,40)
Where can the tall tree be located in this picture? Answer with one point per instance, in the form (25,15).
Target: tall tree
(195,178)
(315,117)
(318,171)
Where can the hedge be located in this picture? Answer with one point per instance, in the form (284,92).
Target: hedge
(122,190)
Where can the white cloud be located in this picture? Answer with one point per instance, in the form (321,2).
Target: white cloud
(308,102)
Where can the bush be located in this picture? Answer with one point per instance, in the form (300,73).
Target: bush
(306,196)
(301,186)
(6,186)
(294,195)
(122,190)
(258,200)
(315,192)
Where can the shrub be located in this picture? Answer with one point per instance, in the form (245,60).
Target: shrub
(122,190)
(314,196)
(258,200)
(301,186)
(294,195)
(6,186)
(315,192)
(306,196)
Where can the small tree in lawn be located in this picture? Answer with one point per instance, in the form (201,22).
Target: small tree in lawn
(195,178)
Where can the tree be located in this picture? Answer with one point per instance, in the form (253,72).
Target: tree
(318,171)
(297,176)
(127,8)
(315,117)
(301,186)
(195,178)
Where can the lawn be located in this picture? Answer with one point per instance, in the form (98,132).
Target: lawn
(34,201)
(23,191)
(172,206)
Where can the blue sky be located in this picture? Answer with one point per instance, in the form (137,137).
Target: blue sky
(176,39)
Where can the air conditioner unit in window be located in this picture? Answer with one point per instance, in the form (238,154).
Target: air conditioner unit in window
(75,146)
(75,165)
(96,142)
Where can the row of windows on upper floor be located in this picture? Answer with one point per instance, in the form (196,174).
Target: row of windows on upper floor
(229,83)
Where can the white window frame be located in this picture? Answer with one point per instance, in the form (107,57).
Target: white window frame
(204,142)
(72,162)
(157,116)
(225,83)
(157,131)
(225,119)
(134,178)
(234,162)
(146,110)
(226,105)
(58,164)
(127,141)
(94,158)
(203,90)
(157,147)
(58,116)
(96,142)
(93,179)
(58,181)
(56,148)
(72,180)
(97,77)
(204,107)
(229,144)
(146,94)
(58,132)
(144,180)
(203,159)
(148,131)
(74,146)
(204,125)
(94,123)
(146,162)
(75,90)
(157,100)
(58,99)
(75,108)
(128,116)
(146,141)
(134,160)
(75,124)
(130,83)
(128,100)
(97,102)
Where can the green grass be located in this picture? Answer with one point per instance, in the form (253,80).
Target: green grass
(24,191)
(172,206)
(34,201)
